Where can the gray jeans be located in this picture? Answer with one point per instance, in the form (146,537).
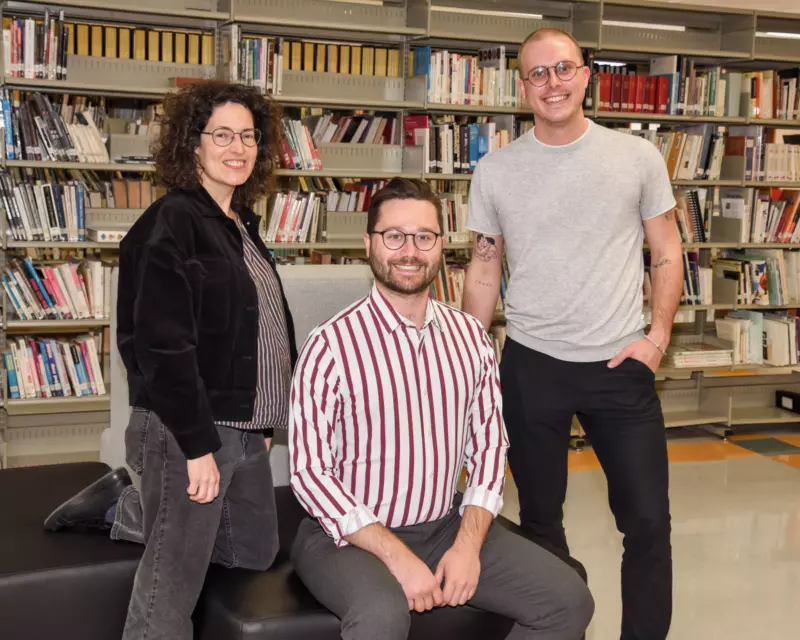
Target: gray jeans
(520,580)
(181,537)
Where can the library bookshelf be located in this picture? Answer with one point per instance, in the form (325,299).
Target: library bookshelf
(167,39)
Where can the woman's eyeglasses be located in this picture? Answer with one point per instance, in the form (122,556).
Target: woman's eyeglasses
(224,137)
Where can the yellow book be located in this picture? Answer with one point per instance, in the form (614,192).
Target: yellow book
(410,63)
(139,44)
(166,46)
(111,42)
(194,48)
(297,56)
(368,61)
(381,61)
(97,40)
(287,59)
(180,47)
(355,60)
(153,46)
(208,49)
(333,58)
(308,56)
(83,39)
(124,37)
(70,39)
(393,63)
(320,66)
(344,58)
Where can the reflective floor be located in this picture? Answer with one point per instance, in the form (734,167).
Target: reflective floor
(735,536)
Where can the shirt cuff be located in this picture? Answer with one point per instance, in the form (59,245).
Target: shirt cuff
(355,519)
(482,497)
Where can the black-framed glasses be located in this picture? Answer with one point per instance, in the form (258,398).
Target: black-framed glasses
(395,240)
(565,70)
(224,136)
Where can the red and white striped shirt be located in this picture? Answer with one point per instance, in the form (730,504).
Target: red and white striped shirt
(384,417)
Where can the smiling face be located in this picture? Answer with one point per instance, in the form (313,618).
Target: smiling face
(226,167)
(558,103)
(406,271)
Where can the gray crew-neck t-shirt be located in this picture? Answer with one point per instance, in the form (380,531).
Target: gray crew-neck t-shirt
(571,218)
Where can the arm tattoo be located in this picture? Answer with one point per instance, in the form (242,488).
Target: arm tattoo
(663,263)
(485,248)
(670,215)
(482,283)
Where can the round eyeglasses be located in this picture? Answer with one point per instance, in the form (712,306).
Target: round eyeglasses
(224,137)
(395,240)
(565,70)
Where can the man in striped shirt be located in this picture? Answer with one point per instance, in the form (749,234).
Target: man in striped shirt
(391,398)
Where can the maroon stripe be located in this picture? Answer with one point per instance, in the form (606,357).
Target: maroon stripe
(393,382)
(432,422)
(381,408)
(449,469)
(423,483)
(353,408)
(409,413)
(462,419)
(366,405)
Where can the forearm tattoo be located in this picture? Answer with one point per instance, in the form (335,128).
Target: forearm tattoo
(486,248)
(663,263)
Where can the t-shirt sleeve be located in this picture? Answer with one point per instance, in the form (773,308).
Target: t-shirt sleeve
(482,215)
(657,196)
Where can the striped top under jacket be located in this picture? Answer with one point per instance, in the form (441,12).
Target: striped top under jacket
(271,406)
(384,417)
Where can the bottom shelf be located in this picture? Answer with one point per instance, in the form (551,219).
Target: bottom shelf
(762,415)
(674,419)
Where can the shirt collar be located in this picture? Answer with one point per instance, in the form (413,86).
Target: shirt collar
(391,319)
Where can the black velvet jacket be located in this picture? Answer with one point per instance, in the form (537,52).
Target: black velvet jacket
(187,316)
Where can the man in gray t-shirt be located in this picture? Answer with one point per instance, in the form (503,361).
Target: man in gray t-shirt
(571,202)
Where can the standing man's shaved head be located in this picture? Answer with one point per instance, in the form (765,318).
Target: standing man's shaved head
(545,34)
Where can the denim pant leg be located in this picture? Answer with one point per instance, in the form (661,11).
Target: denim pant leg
(128,517)
(179,538)
(248,532)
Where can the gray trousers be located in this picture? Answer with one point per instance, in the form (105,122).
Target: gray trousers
(520,580)
(181,537)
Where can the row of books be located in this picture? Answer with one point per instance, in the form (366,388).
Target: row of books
(346,58)
(47,368)
(43,211)
(697,281)
(34,130)
(356,128)
(67,291)
(762,276)
(758,337)
(455,144)
(691,152)
(40,48)
(36,48)
(766,215)
(293,217)
(298,149)
(693,212)
(489,78)
(253,60)
(676,85)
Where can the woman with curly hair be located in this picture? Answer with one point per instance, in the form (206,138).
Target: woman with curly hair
(207,340)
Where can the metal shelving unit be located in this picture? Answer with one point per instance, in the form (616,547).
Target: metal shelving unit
(725,35)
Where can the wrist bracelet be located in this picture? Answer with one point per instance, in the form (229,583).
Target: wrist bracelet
(658,346)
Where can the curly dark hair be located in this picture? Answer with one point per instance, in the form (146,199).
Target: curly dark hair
(186,114)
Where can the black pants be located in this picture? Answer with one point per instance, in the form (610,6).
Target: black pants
(621,413)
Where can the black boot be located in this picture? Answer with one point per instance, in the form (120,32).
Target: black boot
(87,510)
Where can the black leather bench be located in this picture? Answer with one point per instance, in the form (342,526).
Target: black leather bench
(76,586)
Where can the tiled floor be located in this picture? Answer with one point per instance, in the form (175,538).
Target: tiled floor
(735,536)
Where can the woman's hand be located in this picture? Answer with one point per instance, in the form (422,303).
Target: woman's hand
(203,479)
